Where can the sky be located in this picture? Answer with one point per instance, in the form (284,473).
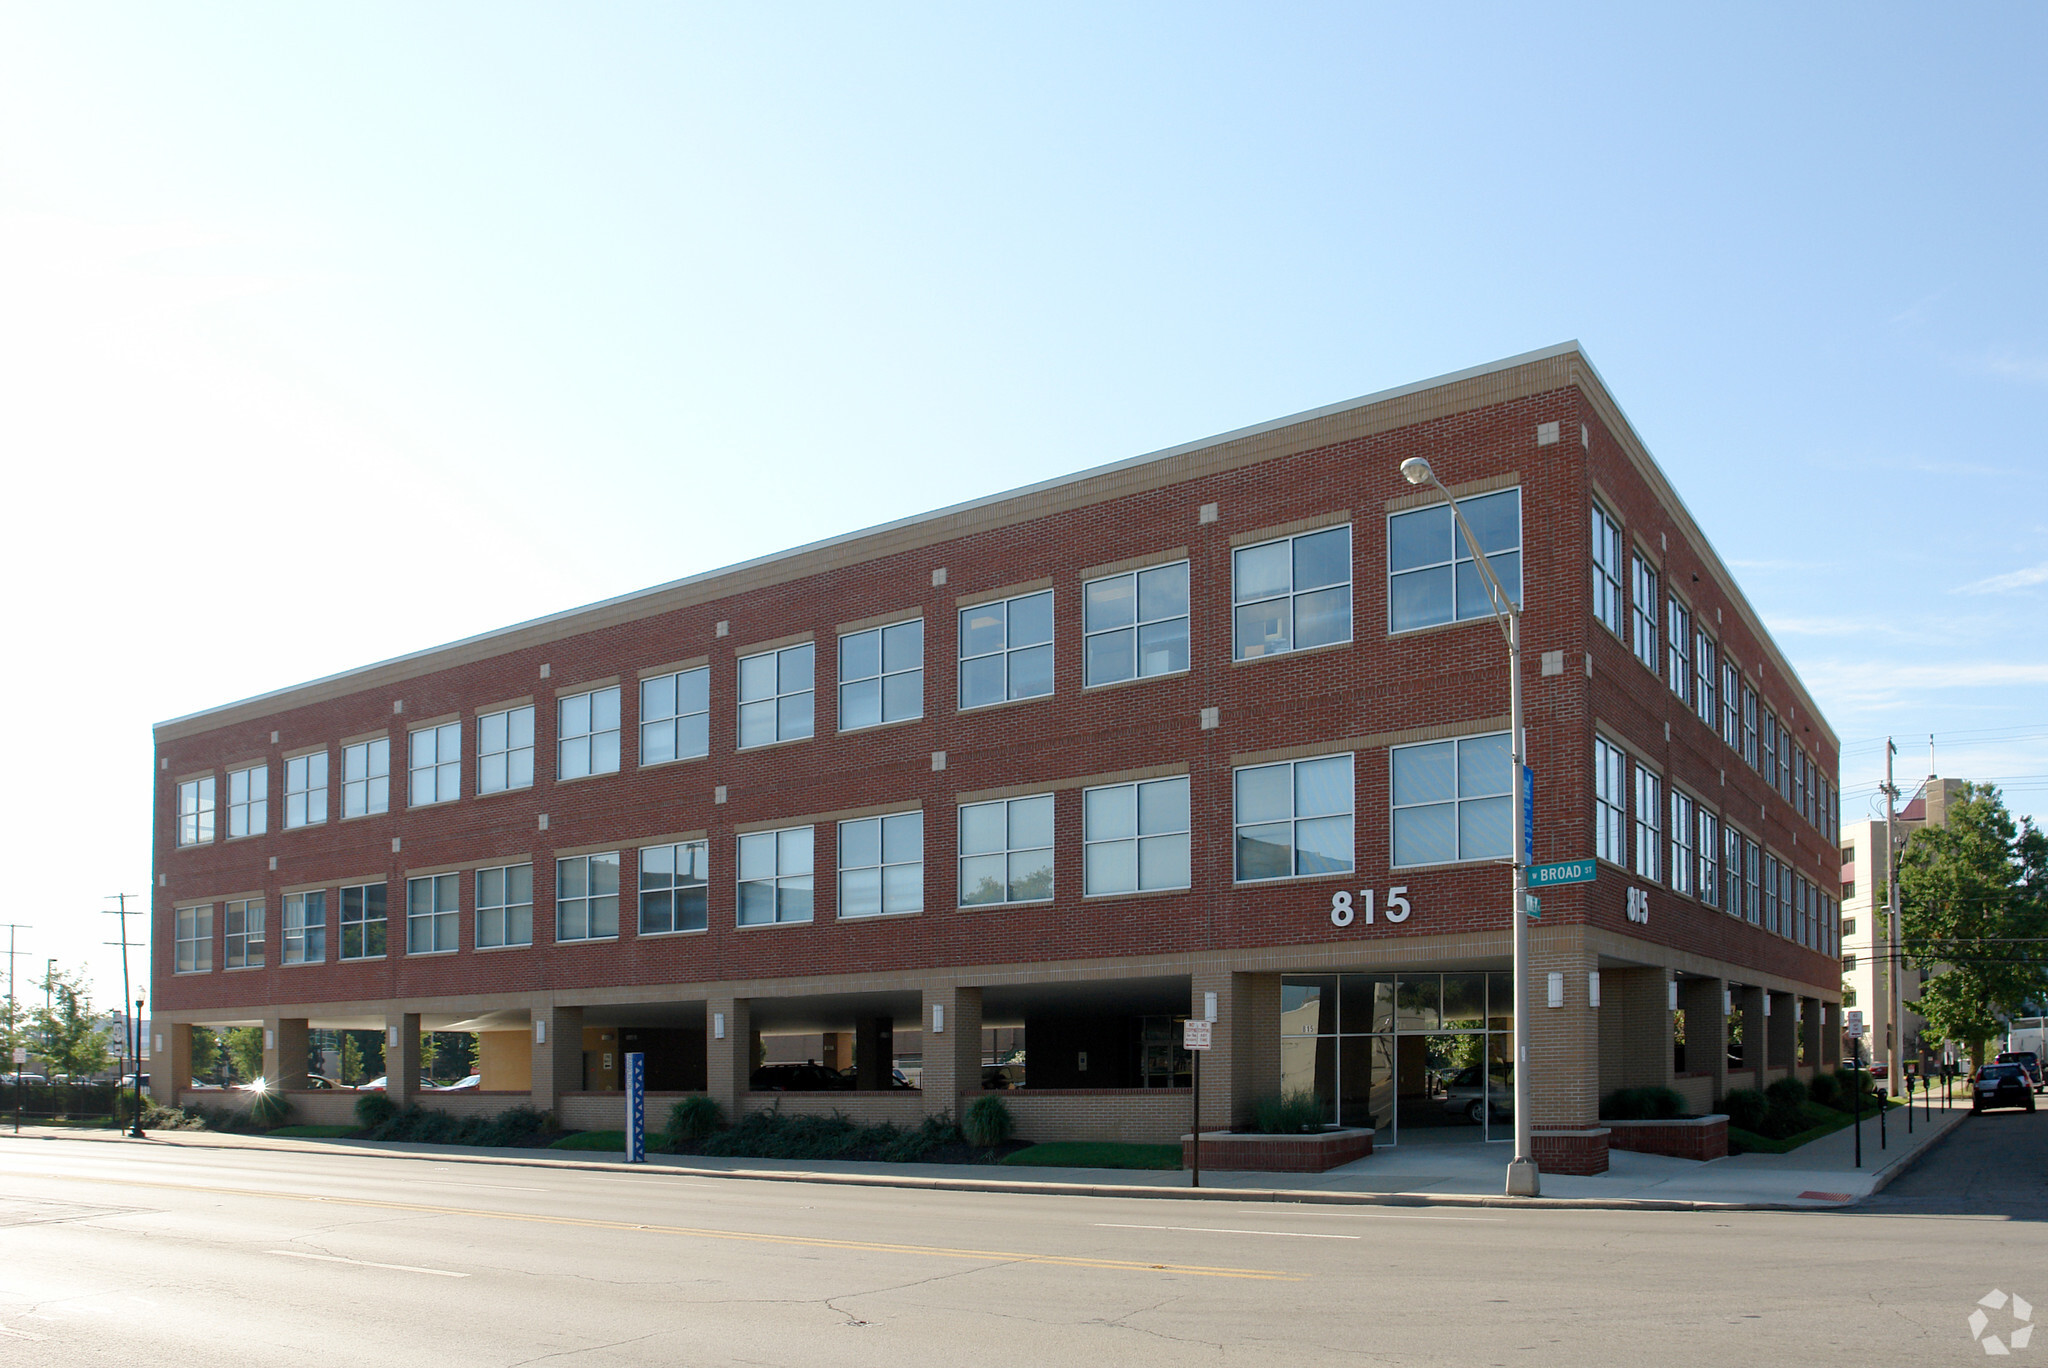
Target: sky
(328,333)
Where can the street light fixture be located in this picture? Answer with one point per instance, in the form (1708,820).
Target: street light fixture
(1522,1172)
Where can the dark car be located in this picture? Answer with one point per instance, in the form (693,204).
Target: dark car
(796,1078)
(2001,1085)
(2027,1060)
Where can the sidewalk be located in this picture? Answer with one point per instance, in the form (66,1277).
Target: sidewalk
(1820,1174)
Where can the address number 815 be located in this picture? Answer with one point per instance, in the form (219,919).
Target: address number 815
(1343,911)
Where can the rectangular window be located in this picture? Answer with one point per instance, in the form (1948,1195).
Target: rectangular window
(1681,842)
(587,735)
(1451,801)
(504,905)
(673,887)
(305,790)
(305,927)
(1771,893)
(1649,813)
(1610,599)
(1134,837)
(775,876)
(1705,675)
(1610,803)
(1006,851)
(777,695)
(362,922)
(881,675)
(881,865)
(1135,626)
(1752,856)
(1731,704)
(1678,646)
(1785,894)
(1784,762)
(1806,918)
(431,914)
(242,937)
(195,940)
(249,801)
(1646,613)
(1731,871)
(436,754)
(1291,594)
(1848,926)
(504,750)
(1749,745)
(1709,847)
(366,778)
(587,897)
(1294,818)
(1006,650)
(195,812)
(1432,577)
(1769,768)
(675,716)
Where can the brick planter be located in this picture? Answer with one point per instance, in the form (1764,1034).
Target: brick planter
(1693,1137)
(1227,1150)
(1580,1153)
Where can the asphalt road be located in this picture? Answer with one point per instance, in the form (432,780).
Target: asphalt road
(139,1254)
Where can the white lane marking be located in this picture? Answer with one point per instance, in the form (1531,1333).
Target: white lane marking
(364,1263)
(23,1334)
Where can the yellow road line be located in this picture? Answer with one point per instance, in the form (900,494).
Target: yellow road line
(708,1233)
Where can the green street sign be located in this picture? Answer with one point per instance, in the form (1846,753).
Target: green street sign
(1533,905)
(1562,872)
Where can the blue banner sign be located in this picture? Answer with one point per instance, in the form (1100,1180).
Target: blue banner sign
(1563,872)
(1528,815)
(636,1108)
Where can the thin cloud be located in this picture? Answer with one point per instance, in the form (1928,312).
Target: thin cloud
(2032,370)
(2007,582)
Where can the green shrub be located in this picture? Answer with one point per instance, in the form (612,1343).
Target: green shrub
(1643,1104)
(915,1146)
(507,1127)
(988,1122)
(270,1109)
(1850,1083)
(1293,1113)
(1824,1089)
(693,1119)
(1746,1108)
(1786,1092)
(374,1109)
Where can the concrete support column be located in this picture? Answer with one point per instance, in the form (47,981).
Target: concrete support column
(557,1054)
(285,1046)
(728,1053)
(1706,1031)
(952,1049)
(1563,1054)
(1634,1021)
(1783,1031)
(170,1062)
(1243,1060)
(1810,1032)
(1831,1035)
(1749,1002)
(401,1057)
(874,1052)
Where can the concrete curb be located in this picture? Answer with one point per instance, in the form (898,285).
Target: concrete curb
(1899,1167)
(932,1183)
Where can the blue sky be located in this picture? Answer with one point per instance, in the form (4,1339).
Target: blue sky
(329,333)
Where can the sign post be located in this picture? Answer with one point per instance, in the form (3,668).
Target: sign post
(20,1058)
(1855,1033)
(636,1108)
(1195,1035)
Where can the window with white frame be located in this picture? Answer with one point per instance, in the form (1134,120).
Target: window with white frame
(195,940)
(1785,893)
(1134,837)
(1135,625)
(881,865)
(1293,819)
(249,801)
(504,750)
(1610,598)
(1771,893)
(776,883)
(1709,847)
(1681,842)
(1749,726)
(1678,647)
(305,790)
(305,927)
(1291,594)
(1432,577)
(1731,704)
(363,921)
(504,906)
(778,695)
(587,739)
(1451,801)
(587,897)
(1769,768)
(431,917)
(881,675)
(674,883)
(675,716)
(1646,614)
(366,778)
(195,811)
(1006,650)
(1006,851)
(1610,802)
(1753,900)
(1731,870)
(242,935)
(1649,813)
(1705,675)
(436,764)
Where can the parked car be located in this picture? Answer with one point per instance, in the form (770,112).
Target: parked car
(129,1081)
(797,1078)
(381,1084)
(465,1085)
(2026,1059)
(1464,1094)
(29,1079)
(2001,1085)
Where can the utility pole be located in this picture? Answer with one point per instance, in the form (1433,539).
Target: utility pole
(14,1019)
(134,1032)
(1894,1042)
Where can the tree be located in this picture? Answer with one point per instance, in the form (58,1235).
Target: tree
(205,1052)
(14,1030)
(351,1059)
(245,1052)
(70,1039)
(1973,898)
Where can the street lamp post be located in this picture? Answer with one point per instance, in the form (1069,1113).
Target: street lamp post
(1522,1172)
